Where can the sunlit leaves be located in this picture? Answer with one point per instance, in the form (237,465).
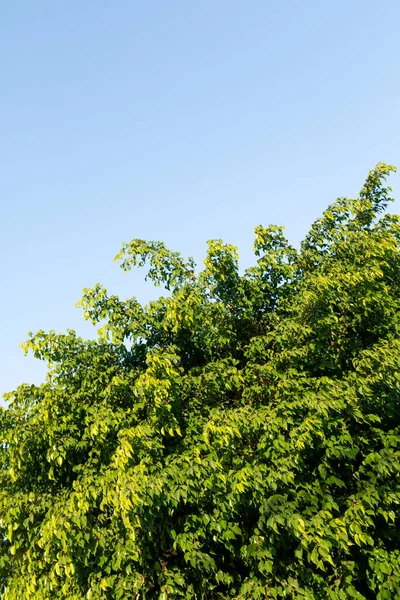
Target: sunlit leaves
(237,438)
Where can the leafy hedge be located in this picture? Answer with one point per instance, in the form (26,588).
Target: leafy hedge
(238,438)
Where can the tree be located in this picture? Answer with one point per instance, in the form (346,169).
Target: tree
(237,438)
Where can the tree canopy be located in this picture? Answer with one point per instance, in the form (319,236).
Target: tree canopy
(237,438)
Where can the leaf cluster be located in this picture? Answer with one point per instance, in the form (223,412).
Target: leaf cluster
(237,438)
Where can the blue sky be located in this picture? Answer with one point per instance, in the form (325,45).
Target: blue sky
(180,121)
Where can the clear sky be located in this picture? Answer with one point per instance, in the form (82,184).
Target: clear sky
(176,120)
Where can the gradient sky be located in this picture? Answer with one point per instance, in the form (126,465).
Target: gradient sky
(180,121)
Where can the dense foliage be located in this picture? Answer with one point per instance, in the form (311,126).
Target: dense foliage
(238,438)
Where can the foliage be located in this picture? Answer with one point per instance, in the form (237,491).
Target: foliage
(238,438)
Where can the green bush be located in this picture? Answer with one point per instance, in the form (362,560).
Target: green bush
(238,438)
